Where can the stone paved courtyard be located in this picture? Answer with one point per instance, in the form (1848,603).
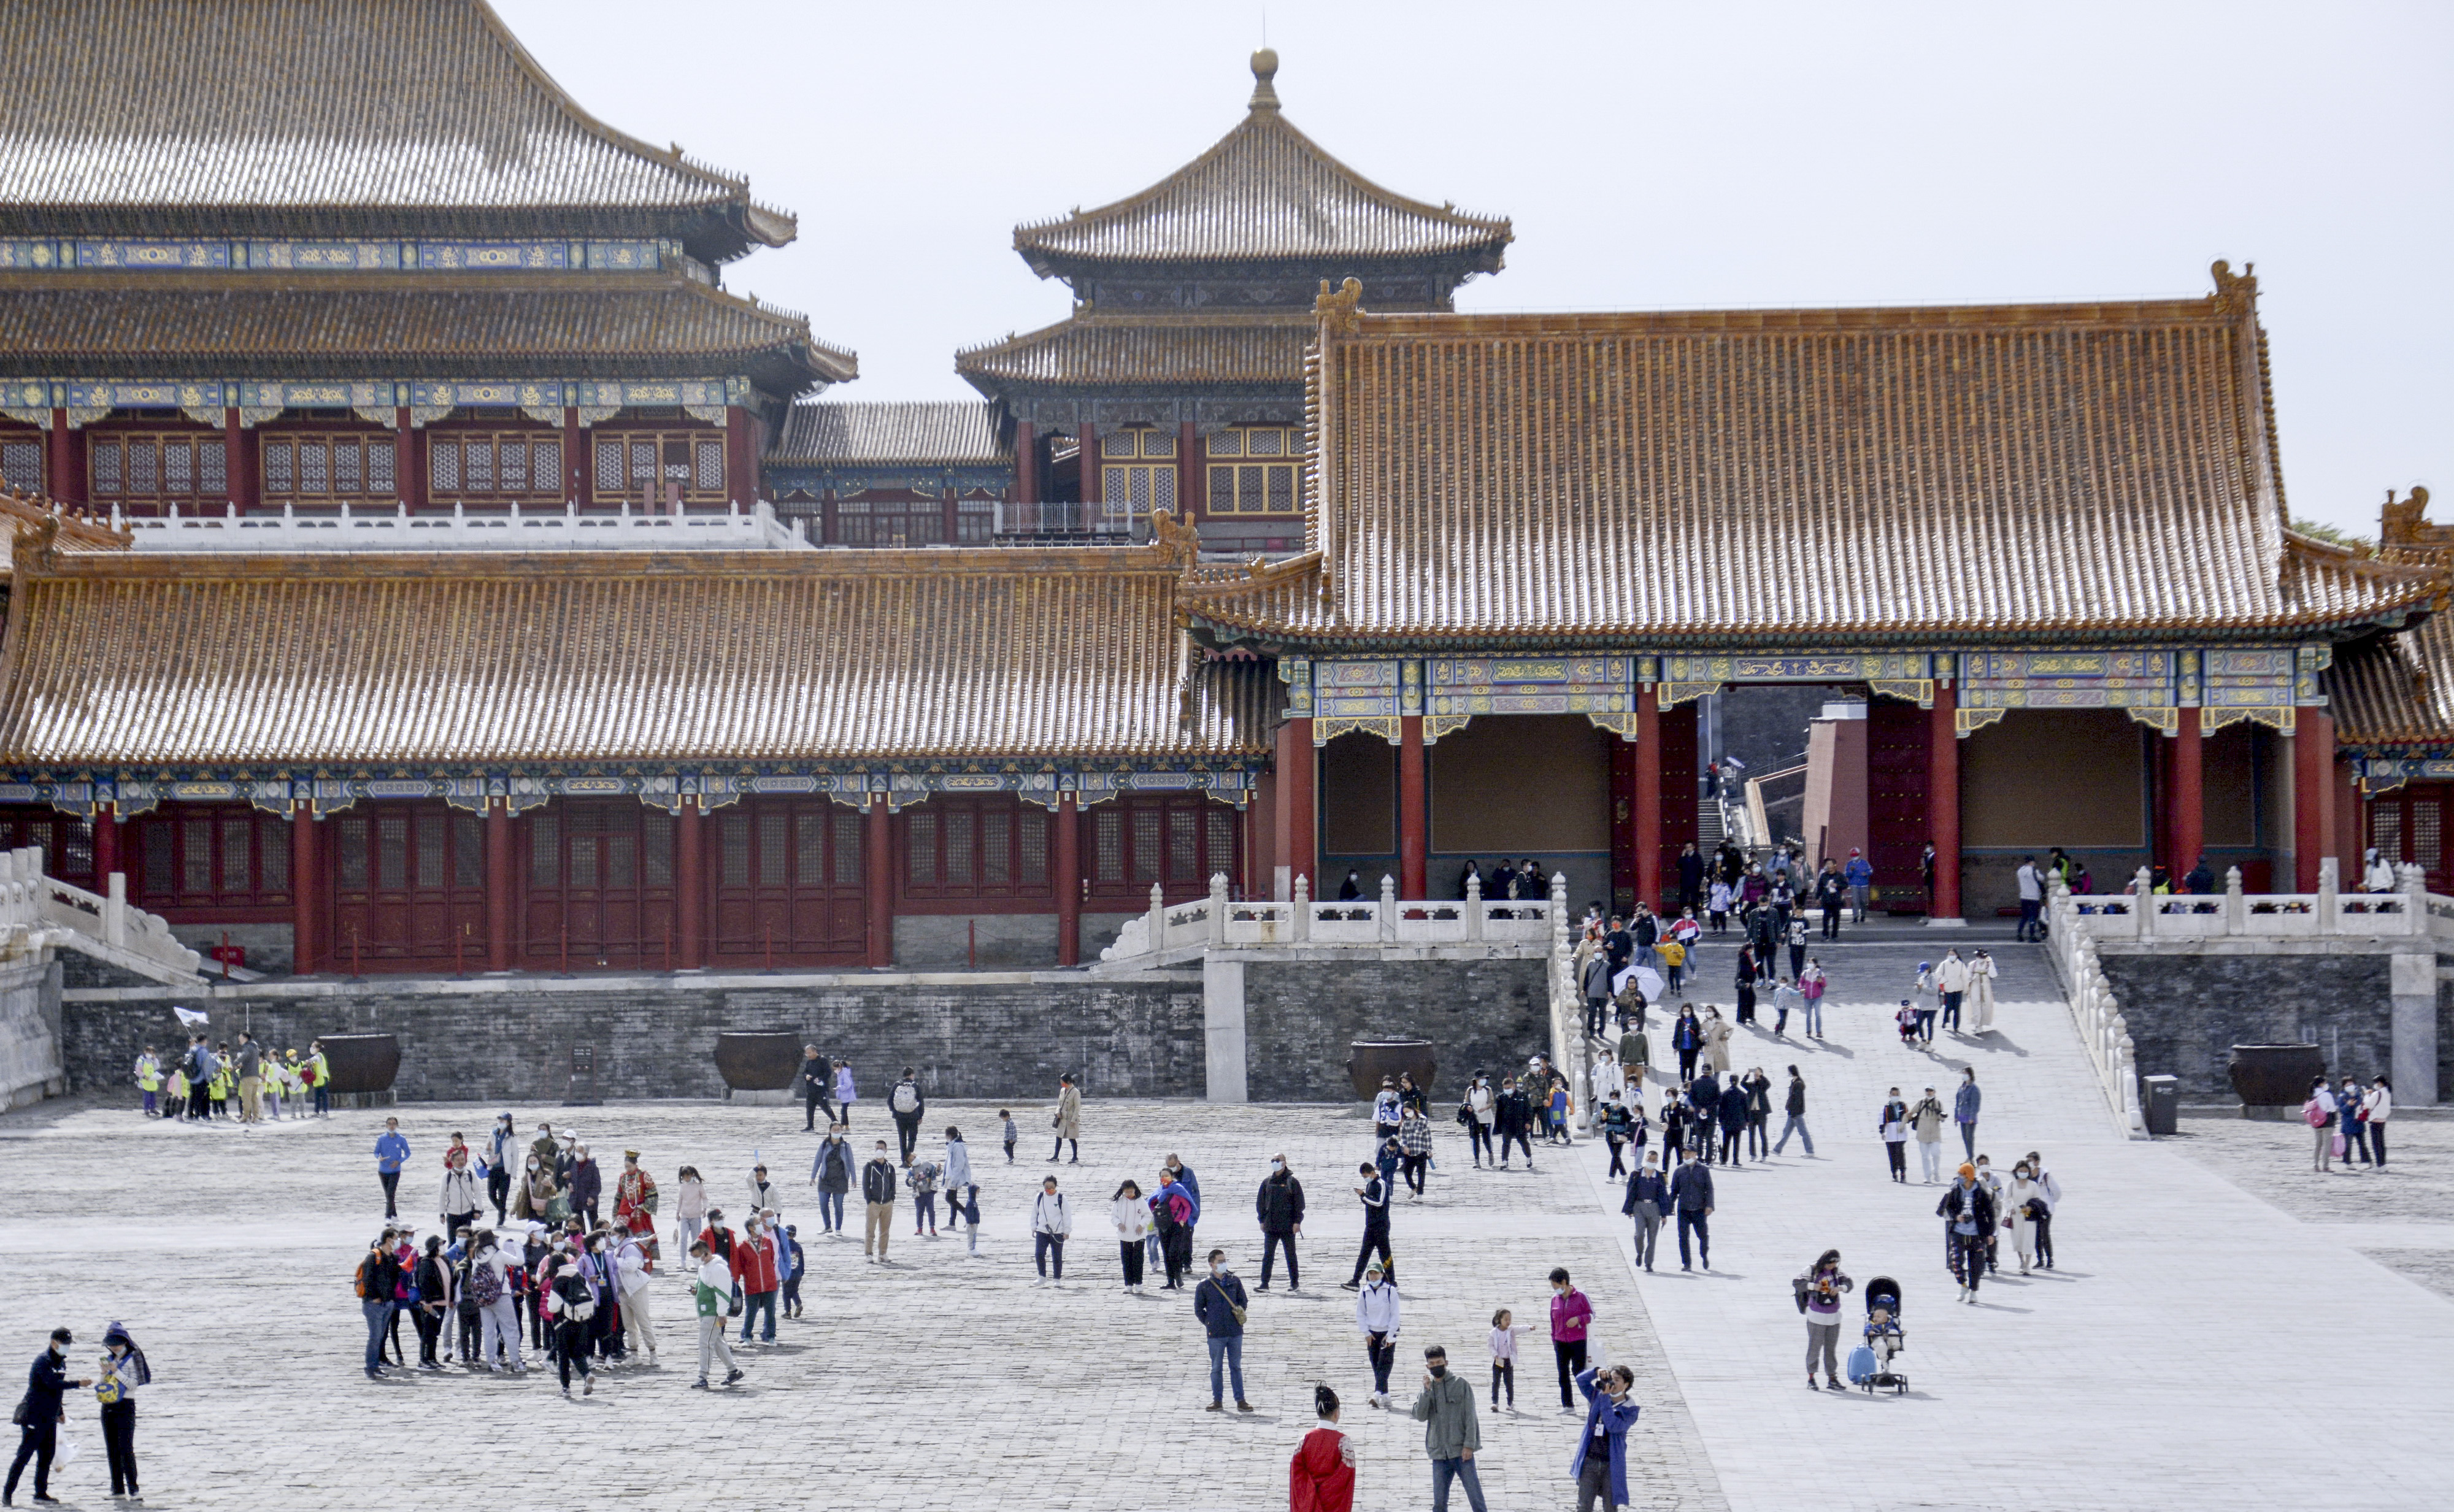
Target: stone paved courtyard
(2164,1362)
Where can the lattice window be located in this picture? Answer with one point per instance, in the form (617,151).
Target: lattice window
(848,841)
(497,467)
(221,855)
(960,847)
(896,519)
(312,469)
(135,467)
(1177,841)
(21,466)
(1264,481)
(648,466)
(1132,489)
(2426,837)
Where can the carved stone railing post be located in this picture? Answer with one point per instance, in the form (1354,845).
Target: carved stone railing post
(2330,897)
(1388,908)
(1157,919)
(2236,910)
(1303,908)
(1218,909)
(1473,906)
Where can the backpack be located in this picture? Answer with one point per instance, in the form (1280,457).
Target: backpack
(359,1282)
(2313,1111)
(485,1284)
(905,1099)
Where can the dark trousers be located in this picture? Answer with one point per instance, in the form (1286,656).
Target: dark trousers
(1570,1353)
(119,1444)
(1376,1236)
(2377,1141)
(1618,1149)
(1044,1246)
(1896,1150)
(1746,1014)
(1271,1240)
(1831,924)
(1382,1353)
(1730,1144)
(1175,1248)
(391,1180)
(198,1103)
(1516,1137)
(37,1441)
(1059,1148)
(1503,1373)
(1968,1258)
(1597,1014)
(907,1130)
(1131,1252)
(572,1341)
(2356,1140)
(2045,1240)
(2029,908)
(1481,1133)
(499,1190)
(1951,1010)
(430,1332)
(813,1098)
(1413,1166)
(831,1206)
(1926,1025)
(1756,1140)
(1687,1065)
(1694,1218)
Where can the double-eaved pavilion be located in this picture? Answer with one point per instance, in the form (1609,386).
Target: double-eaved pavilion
(1495,561)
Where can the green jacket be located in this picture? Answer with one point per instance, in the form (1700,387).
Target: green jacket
(1446,1410)
(1635,1049)
(711,1302)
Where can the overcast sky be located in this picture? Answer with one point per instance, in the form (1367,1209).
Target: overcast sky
(1651,157)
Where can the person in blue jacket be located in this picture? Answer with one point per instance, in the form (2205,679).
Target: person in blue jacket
(1600,1462)
(391,1153)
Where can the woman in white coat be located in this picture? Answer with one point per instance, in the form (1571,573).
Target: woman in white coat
(1132,1216)
(1982,972)
(2014,1214)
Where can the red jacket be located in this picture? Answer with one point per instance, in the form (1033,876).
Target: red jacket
(1321,1480)
(754,1264)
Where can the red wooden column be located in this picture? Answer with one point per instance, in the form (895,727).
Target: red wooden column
(574,457)
(67,477)
(1068,879)
(408,464)
(1413,821)
(1644,821)
(106,845)
(1089,460)
(1942,799)
(880,859)
(2313,779)
(238,464)
(305,883)
(1292,837)
(1189,473)
(689,888)
(2189,820)
(740,458)
(498,885)
(1027,472)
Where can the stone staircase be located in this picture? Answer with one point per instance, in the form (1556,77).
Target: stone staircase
(39,913)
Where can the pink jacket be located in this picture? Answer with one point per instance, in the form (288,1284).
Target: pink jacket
(1569,1315)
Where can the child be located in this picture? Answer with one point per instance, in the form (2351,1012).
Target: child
(178,1091)
(795,1263)
(1562,1106)
(1503,1358)
(1908,1021)
(1718,907)
(1011,1133)
(1883,1337)
(922,1179)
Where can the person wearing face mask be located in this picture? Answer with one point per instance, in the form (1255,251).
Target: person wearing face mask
(1219,1302)
(1600,1460)
(755,1266)
(1648,1203)
(499,1162)
(39,1414)
(831,1173)
(1451,1432)
(1375,1317)
(1374,1195)
(123,1371)
(1281,1207)
(1572,1314)
(962,1192)
(879,1182)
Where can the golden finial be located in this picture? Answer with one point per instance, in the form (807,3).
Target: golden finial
(1265,68)
(1339,311)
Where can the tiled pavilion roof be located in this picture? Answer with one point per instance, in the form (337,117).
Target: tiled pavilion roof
(2398,690)
(1972,475)
(1265,191)
(482,325)
(1093,350)
(324,117)
(899,432)
(115,659)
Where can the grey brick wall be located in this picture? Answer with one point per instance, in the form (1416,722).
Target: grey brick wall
(2186,1012)
(1009,1038)
(1300,1015)
(975,941)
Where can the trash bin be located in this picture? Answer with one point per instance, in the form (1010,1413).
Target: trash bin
(2163,1098)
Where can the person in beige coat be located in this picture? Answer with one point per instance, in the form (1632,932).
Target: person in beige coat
(1927,1118)
(1982,972)
(1717,1041)
(1068,1121)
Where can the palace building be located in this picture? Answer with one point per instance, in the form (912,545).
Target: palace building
(1264,563)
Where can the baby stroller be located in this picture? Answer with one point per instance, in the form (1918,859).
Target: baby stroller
(1870,1363)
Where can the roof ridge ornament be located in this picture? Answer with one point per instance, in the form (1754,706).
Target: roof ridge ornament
(1265,68)
(2235,293)
(1341,311)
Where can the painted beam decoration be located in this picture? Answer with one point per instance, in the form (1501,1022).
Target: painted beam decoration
(2385,773)
(898,784)
(32,400)
(47,254)
(1893,674)
(1356,695)
(1601,688)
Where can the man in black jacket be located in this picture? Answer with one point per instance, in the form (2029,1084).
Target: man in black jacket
(1691,1194)
(878,1185)
(1374,1195)
(816,1081)
(1281,1209)
(1733,1115)
(39,1433)
(1691,876)
(1967,1214)
(1513,1118)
